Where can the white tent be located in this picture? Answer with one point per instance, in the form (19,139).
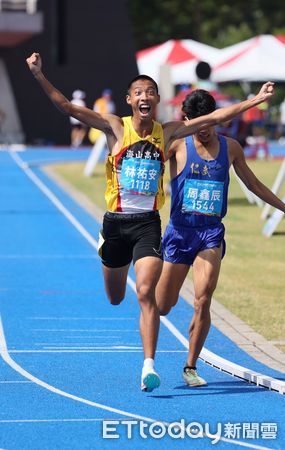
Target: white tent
(261,58)
(181,55)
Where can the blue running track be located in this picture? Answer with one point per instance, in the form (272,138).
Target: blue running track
(71,363)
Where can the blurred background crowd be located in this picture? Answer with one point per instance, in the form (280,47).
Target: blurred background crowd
(229,50)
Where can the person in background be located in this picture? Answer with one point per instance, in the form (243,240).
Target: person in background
(253,119)
(282,121)
(78,129)
(254,122)
(103,105)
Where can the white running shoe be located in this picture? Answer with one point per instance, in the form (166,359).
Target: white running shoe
(191,377)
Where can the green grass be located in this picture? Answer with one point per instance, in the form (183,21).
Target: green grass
(252,279)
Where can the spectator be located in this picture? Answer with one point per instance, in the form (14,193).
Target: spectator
(282,120)
(103,105)
(78,129)
(253,119)
(255,135)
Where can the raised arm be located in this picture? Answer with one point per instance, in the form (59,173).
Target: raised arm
(108,123)
(250,179)
(181,129)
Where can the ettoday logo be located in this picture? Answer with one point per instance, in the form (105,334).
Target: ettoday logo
(229,432)
(114,429)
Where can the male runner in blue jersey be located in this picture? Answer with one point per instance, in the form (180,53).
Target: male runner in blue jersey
(199,171)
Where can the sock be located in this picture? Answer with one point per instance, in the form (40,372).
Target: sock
(148,363)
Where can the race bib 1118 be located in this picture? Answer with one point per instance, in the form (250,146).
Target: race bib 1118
(140,176)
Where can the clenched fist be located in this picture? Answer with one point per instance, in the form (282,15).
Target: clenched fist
(35,63)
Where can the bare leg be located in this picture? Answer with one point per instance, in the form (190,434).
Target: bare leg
(115,283)
(169,285)
(206,269)
(77,136)
(148,270)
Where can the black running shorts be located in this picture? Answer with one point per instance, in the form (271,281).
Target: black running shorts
(129,237)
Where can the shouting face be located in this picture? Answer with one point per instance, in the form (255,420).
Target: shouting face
(143,98)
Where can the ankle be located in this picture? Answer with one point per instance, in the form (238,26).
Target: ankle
(190,367)
(148,363)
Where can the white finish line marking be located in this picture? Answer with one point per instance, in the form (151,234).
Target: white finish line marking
(53,420)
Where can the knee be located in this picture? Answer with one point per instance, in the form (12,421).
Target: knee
(145,293)
(202,304)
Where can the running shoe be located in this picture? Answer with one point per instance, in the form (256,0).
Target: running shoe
(150,380)
(191,377)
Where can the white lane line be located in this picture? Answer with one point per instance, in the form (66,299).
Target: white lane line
(3,256)
(54,420)
(14,382)
(85,330)
(90,350)
(54,200)
(99,338)
(82,318)
(90,347)
(207,356)
(86,344)
(7,358)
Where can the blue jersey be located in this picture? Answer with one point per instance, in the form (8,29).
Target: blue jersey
(199,194)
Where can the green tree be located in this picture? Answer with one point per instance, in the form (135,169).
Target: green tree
(214,22)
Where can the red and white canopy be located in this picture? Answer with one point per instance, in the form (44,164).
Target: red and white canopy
(182,55)
(261,58)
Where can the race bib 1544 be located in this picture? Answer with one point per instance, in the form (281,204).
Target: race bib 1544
(203,197)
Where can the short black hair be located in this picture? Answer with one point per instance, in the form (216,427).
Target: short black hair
(198,103)
(142,77)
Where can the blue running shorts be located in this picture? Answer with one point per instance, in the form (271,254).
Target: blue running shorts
(181,245)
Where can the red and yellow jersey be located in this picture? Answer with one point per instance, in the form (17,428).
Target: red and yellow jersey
(135,175)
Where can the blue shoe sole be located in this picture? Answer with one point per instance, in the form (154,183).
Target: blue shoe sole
(150,382)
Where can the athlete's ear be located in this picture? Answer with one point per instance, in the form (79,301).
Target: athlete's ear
(128,99)
(158,98)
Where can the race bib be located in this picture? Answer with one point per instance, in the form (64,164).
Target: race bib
(203,197)
(140,176)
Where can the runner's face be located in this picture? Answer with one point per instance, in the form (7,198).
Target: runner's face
(143,99)
(205,135)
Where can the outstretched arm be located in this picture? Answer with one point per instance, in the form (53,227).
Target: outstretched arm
(249,178)
(107,123)
(177,130)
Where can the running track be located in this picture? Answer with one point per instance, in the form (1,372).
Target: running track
(70,360)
